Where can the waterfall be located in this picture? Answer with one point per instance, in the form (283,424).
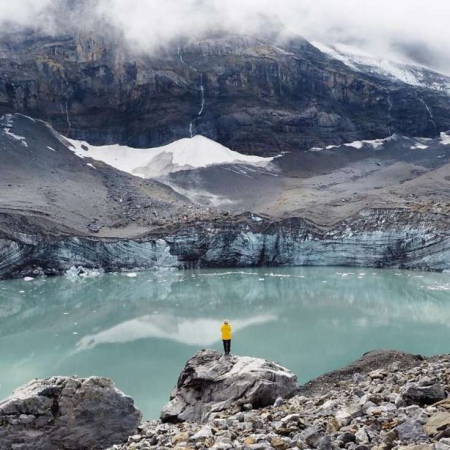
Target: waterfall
(430,114)
(65,111)
(389,114)
(201,88)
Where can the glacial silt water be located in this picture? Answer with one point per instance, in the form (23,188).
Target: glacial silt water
(140,330)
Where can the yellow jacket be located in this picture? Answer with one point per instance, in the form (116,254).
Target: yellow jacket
(226,332)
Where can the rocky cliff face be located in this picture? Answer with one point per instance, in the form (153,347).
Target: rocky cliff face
(373,238)
(255,95)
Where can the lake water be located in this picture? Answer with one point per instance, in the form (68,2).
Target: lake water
(141,330)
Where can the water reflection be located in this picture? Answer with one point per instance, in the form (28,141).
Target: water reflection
(199,332)
(140,331)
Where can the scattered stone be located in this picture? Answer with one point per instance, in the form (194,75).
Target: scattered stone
(410,431)
(279,444)
(423,395)
(312,436)
(361,436)
(437,422)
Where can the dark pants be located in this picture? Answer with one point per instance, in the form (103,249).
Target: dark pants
(227,346)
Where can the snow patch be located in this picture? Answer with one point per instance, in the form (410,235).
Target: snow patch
(419,146)
(21,139)
(375,143)
(184,154)
(51,148)
(445,139)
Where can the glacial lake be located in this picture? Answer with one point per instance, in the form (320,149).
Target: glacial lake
(141,330)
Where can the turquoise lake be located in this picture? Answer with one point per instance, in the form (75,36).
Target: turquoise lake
(140,330)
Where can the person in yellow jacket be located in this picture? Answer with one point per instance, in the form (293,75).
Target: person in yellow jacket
(226,336)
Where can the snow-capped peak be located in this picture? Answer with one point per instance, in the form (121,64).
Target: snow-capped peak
(397,70)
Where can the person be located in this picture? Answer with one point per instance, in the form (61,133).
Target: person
(226,336)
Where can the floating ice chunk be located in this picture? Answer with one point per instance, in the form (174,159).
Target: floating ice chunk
(131,275)
(444,287)
(28,279)
(75,273)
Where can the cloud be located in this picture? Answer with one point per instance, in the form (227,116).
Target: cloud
(22,12)
(416,28)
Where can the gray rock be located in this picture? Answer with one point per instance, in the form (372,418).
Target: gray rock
(312,436)
(67,413)
(204,433)
(211,382)
(325,443)
(361,436)
(410,430)
(423,395)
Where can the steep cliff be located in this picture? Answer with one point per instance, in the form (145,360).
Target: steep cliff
(373,238)
(253,94)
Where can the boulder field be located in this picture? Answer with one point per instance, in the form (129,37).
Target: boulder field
(387,400)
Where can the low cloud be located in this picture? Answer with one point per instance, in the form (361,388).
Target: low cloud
(411,28)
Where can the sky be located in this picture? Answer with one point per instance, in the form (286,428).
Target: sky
(416,28)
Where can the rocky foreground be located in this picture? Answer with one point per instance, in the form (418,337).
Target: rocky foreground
(386,400)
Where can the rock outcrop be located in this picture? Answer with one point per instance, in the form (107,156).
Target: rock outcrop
(66,413)
(212,382)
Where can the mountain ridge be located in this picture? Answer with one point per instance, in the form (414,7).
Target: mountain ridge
(249,94)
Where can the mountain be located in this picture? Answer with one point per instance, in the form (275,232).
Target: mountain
(222,150)
(47,189)
(254,95)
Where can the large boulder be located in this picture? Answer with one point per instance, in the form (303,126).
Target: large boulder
(414,394)
(67,413)
(213,382)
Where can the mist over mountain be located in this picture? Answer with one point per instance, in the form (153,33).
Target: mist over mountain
(413,30)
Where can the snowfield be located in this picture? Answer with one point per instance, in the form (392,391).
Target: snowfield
(362,61)
(184,154)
